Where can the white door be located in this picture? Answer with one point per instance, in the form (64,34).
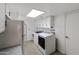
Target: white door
(72,34)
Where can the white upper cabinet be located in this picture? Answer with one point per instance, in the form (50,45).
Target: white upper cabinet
(2,17)
(46,23)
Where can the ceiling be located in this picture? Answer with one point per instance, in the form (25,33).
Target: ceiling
(50,9)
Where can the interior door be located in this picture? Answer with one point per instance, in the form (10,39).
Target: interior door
(72,34)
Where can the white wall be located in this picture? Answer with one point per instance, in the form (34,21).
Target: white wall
(2,17)
(16,10)
(60,32)
(44,23)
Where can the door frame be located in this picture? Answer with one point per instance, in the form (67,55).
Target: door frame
(22,23)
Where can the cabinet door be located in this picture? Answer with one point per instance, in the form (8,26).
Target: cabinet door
(72,34)
(35,39)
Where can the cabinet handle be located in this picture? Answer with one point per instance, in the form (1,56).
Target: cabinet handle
(66,37)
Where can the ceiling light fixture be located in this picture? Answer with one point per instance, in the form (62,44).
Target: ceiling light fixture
(35,13)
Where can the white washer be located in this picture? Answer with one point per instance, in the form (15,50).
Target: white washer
(46,43)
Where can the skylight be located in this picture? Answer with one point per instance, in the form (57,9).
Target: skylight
(35,13)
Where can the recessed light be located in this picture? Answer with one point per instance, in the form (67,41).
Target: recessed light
(35,13)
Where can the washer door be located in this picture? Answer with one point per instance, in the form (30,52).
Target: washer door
(41,42)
